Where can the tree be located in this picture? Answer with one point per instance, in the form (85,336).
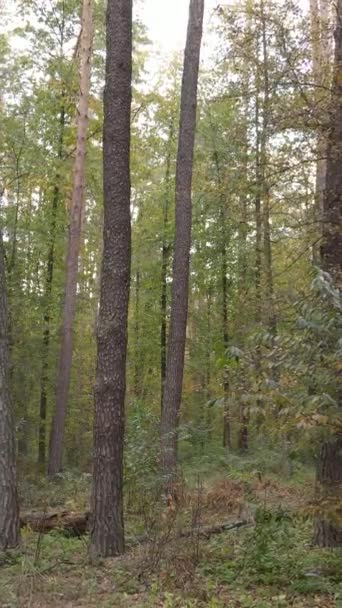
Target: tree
(74,241)
(321,60)
(179,291)
(9,512)
(107,529)
(328,532)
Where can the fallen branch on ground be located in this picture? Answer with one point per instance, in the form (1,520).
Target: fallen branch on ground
(76,524)
(208,531)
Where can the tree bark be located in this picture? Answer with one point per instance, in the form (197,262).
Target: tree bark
(107,527)
(182,244)
(9,513)
(73,248)
(328,532)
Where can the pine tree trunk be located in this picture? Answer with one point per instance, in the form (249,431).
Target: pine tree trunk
(107,525)
(243,265)
(9,512)
(137,360)
(224,309)
(321,60)
(73,247)
(182,243)
(328,532)
(225,340)
(48,290)
(165,266)
(271,322)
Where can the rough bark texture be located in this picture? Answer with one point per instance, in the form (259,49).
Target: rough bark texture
(107,528)
(9,514)
(182,243)
(328,531)
(73,248)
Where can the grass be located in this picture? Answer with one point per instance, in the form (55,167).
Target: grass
(269,564)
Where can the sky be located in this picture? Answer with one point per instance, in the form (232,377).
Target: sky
(167,22)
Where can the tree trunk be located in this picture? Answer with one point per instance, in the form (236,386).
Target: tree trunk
(321,60)
(74,240)
(107,528)
(165,265)
(271,322)
(9,513)
(180,284)
(258,229)
(48,291)
(225,339)
(137,361)
(243,266)
(328,531)
(224,309)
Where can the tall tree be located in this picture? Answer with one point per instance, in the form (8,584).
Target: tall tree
(165,261)
(9,513)
(329,469)
(182,243)
(74,241)
(321,60)
(107,530)
(48,291)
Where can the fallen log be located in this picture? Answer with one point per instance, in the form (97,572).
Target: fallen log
(68,522)
(72,523)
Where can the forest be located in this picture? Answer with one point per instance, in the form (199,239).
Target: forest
(170,306)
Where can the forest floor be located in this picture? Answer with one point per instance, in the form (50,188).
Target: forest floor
(269,563)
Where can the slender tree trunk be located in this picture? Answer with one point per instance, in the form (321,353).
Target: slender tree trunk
(107,528)
(180,284)
(269,289)
(224,310)
(48,291)
(225,336)
(208,363)
(137,361)
(328,532)
(165,265)
(9,512)
(73,248)
(321,59)
(243,264)
(258,216)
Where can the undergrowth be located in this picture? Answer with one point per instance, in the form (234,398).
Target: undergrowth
(269,563)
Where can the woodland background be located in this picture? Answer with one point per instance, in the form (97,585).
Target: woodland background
(261,378)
